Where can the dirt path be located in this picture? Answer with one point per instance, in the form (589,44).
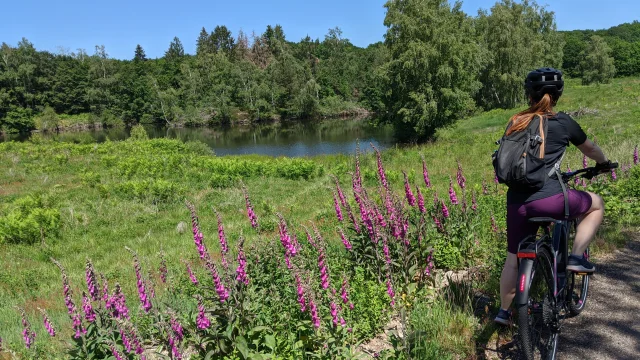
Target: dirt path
(608,328)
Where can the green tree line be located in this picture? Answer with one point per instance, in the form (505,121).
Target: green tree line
(622,40)
(256,77)
(435,65)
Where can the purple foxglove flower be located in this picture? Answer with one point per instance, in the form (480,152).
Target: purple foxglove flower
(385,251)
(494,226)
(345,241)
(89,314)
(177,328)
(585,164)
(219,286)
(117,304)
(116,353)
(250,212)
(202,321)
(421,206)
(142,290)
(334,313)
(445,211)
(314,314)
(300,291)
(310,238)
(576,181)
(452,193)
(344,294)
(364,214)
(66,289)
(132,339)
(128,347)
(28,335)
(285,238)
(324,273)
(90,277)
(224,248)
(407,191)
(495,178)
(357,176)
(198,238)
(636,160)
(77,326)
(614,177)
(381,173)
(175,352)
(460,177)
(485,188)
(192,276)
(241,270)
(343,199)
(390,291)
(430,266)
(380,220)
(425,174)
(438,224)
(336,205)
(105,289)
(163,268)
(356,225)
(47,323)
(474,204)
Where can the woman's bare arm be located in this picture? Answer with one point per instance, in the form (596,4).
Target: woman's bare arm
(593,151)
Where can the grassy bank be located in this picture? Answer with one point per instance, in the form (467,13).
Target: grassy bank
(97,199)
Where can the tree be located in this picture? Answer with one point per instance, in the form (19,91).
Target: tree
(139,54)
(222,40)
(433,67)
(202,44)
(597,64)
(175,51)
(517,37)
(241,49)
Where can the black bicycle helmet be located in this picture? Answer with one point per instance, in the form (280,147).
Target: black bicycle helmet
(544,81)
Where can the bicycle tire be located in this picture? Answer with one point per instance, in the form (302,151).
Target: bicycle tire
(537,339)
(578,294)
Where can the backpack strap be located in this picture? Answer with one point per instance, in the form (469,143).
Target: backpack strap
(542,135)
(556,166)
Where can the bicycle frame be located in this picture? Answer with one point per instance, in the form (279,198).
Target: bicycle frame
(558,245)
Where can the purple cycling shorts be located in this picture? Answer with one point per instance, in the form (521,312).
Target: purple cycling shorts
(518,226)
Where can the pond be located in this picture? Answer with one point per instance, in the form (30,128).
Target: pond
(292,139)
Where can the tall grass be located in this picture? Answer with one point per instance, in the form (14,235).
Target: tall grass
(98,221)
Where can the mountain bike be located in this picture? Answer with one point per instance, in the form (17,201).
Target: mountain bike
(546,293)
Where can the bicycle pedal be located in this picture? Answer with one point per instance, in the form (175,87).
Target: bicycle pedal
(582,273)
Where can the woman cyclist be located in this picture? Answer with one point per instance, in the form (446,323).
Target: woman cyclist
(544,87)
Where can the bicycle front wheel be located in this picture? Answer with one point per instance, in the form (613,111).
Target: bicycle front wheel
(536,320)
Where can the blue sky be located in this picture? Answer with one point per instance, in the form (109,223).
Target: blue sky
(120,24)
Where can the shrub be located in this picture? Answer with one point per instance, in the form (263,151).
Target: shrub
(48,120)
(138,133)
(29,219)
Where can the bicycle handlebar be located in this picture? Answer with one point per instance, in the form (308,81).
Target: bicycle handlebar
(590,172)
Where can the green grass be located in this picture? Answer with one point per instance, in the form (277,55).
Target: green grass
(98,221)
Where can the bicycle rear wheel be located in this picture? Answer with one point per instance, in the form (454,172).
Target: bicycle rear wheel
(578,290)
(538,339)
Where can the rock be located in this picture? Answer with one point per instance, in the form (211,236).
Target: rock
(182,227)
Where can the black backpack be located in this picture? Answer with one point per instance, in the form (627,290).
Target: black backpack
(519,161)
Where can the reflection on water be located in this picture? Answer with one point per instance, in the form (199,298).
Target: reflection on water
(291,139)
